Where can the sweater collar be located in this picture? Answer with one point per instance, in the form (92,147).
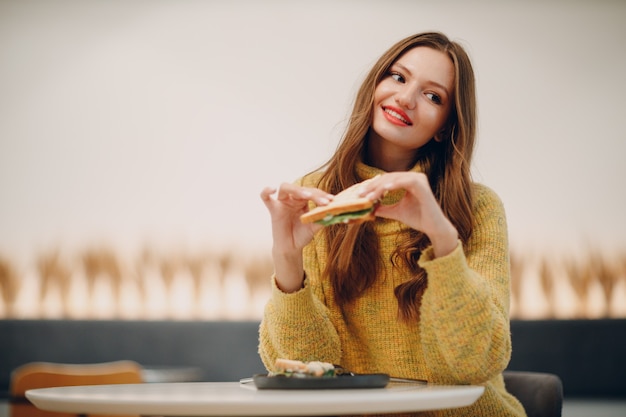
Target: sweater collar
(365,171)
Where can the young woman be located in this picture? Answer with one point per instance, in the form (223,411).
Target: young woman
(423,291)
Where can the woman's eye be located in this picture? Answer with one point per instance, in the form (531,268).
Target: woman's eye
(434,98)
(398,77)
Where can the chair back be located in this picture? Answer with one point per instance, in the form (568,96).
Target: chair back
(540,393)
(46,375)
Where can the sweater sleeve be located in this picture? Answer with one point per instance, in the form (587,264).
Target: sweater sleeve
(297,325)
(464,320)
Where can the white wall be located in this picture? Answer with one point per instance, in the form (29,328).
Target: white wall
(129,122)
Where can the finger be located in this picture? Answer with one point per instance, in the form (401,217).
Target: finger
(377,191)
(386,211)
(371,187)
(267,195)
(321,198)
(291,191)
(287,191)
(267,192)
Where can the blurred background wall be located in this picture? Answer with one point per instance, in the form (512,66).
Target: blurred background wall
(150,127)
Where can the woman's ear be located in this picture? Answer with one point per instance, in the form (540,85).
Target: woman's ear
(445,132)
(441,135)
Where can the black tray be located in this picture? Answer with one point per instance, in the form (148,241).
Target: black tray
(263,381)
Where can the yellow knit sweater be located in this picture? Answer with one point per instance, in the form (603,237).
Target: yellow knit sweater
(462,336)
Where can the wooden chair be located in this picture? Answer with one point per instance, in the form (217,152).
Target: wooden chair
(45,375)
(540,393)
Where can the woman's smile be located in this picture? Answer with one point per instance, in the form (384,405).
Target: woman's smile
(396,116)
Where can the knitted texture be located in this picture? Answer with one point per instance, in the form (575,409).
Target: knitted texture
(462,335)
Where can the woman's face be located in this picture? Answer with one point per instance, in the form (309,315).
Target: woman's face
(412,102)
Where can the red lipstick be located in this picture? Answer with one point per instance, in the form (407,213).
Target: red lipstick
(396,116)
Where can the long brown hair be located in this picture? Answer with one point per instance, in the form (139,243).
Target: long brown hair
(354,261)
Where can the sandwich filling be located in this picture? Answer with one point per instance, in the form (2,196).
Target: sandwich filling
(298,369)
(344,217)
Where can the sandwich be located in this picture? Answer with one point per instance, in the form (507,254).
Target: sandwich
(346,207)
(298,369)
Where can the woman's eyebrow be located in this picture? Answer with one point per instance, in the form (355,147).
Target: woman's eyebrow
(441,86)
(397,64)
(435,83)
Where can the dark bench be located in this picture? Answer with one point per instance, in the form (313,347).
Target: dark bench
(588,355)
(221,350)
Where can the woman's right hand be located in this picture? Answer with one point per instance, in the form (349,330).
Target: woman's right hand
(289,234)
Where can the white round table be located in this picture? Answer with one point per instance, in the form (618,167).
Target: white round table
(235,399)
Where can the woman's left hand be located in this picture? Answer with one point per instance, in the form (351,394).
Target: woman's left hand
(418,208)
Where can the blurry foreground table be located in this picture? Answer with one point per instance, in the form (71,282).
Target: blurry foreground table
(235,399)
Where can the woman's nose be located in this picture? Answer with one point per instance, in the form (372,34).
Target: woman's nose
(406,97)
